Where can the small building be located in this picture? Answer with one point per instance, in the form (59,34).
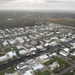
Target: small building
(3,58)
(63,53)
(29,72)
(73,54)
(39,47)
(11,41)
(44,58)
(11,54)
(54,54)
(19,46)
(33,49)
(54,65)
(20,40)
(66,50)
(31,61)
(22,52)
(54,38)
(46,44)
(5,43)
(53,43)
(63,39)
(37,66)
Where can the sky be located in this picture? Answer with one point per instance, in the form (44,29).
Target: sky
(37,4)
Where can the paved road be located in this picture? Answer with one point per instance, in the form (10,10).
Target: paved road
(66,70)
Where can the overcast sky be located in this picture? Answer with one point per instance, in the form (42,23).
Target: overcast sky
(38,4)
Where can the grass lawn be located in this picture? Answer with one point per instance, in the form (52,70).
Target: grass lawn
(48,62)
(42,73)
(2,54)
(8,50)
(62,64)
(9,70)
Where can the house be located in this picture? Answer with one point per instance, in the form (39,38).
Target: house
(53,43)
(20,40)
(20,66)
(73,54)
(29,72)
(12,41)
(24,69)
(63,53)
(3,58)
(11,54)
(22,52)
(44,58)
(54,65)
(37,66)
(54,38)
(63,39)
(19,46)
(39,47)
(5,43)
(66,50)
(31,61)
(33,49)
(46,44)
(1,36)
(54,54)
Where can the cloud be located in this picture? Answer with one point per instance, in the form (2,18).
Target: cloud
(38,4)
(59,1)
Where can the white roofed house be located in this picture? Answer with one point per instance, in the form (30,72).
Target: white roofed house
(44,58)
(11,54)
(54,38)
(53,54)
(63,53)
(35,65)
(39,47)
(1,36)
(73,54)
(33,49)
(23,52)
(6,35)
(63,39)
(19,46)
(24,69)
(66,50)
(20,40)
(29,72)
(54,65)
(5,43)
(12,41)
(53,43)
(46,44)
(3,58)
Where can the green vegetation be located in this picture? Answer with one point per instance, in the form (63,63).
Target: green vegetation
(64,21)
(42,73)
(8,50)
(1,54)
(9,70)
(62,64)
(48,62)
